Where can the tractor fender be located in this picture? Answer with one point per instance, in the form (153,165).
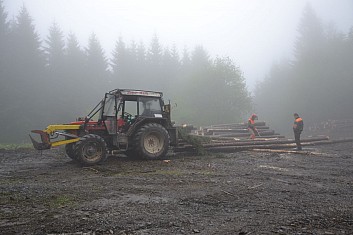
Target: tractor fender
(142,121)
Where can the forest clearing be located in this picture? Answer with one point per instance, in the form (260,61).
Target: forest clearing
(158,76)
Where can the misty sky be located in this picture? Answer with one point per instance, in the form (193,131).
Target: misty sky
(254,33)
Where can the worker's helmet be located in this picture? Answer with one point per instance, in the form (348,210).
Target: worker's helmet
(254,116)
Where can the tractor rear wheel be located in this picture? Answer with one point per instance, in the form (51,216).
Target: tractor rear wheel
(151,141)
(91,150)
(69,149)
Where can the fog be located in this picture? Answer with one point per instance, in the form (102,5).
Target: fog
(253,33)
(217,61)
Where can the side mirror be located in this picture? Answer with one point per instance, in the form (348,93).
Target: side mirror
(166,108)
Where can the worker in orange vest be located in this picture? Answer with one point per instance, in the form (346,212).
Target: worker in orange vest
(298,128)
(251,126)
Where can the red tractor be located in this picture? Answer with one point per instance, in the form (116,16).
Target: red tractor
(135,122)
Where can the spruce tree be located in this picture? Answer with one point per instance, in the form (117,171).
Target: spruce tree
(97,75)
(4,49)
(119,63)
(75,77)
(26,74)
(55,49)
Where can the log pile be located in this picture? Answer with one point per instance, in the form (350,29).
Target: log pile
(238,130)
(234,137)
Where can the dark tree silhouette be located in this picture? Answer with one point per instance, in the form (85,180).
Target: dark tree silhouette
(25,67)
(96,60)
(75,59)
(75,78)
(55,49)
(141,54)
(97,76)
(200,58)
(141,66)
(154,54)
(4,48)
(5,68)
(27,45)
(311,34)
(119,64)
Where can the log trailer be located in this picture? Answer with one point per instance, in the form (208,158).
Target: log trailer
(135,122)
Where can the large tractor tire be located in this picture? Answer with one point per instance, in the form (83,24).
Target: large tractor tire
(70,151)
(91,150)
(151,141)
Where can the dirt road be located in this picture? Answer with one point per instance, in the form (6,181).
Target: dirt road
(238,193)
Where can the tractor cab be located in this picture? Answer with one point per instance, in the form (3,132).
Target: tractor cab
(122,108)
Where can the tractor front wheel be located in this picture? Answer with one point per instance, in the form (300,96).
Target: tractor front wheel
(91,150)
(151,141)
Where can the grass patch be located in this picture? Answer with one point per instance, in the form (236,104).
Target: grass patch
(21,200)
(15,146)
(12,198)
(10,181)
(61,201)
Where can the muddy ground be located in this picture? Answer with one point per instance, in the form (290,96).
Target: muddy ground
(238,193)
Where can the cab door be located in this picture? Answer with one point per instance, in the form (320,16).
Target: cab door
(110,114)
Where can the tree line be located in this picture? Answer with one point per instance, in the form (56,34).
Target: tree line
(54,80)
(317,83)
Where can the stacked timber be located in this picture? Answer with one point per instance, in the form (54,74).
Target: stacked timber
(233,145)
(239,130)
(234,137)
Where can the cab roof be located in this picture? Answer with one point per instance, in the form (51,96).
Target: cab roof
(131,92)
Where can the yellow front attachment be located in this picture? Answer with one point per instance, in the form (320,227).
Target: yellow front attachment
(50,130)
(62,142)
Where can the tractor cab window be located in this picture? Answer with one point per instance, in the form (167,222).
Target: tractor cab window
(131,108)
(130,112)
(150,107)
(109,106)
(109,114)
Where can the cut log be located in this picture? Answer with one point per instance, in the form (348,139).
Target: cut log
(232,149)
(262,133)
(274,136)
(235,130)
(274,146)
(330,142)
(235,125)
(263,142)
(290,151)
(240,145)
(258,139)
